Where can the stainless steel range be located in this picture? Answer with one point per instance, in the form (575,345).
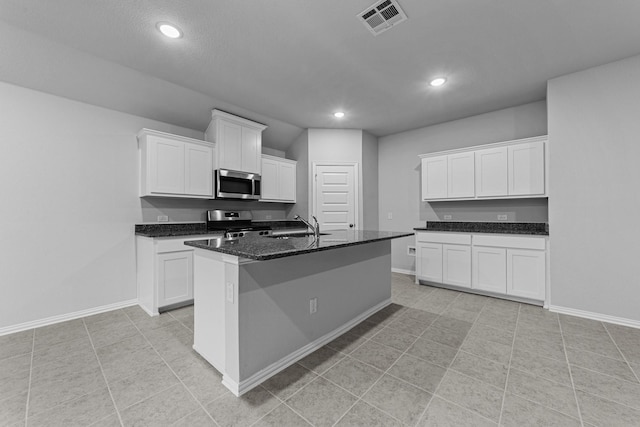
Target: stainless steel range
(235,224)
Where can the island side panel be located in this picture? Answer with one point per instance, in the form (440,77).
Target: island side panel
(274,299)
(209,307)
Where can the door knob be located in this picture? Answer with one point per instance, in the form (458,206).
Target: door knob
(350,225)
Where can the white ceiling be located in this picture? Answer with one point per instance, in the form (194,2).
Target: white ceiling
(291,63)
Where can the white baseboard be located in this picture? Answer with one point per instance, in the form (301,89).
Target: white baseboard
(64,317)
(264,374)
(403,271)
(595,316)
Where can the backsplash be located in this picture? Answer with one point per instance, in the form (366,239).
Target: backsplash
(181,210)
(507,210)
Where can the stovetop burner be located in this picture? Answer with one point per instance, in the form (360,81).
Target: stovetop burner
(235,224)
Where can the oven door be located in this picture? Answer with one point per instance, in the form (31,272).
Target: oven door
(237,185)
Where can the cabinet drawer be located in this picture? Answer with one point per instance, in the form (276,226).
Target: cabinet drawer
(451,238)
(517,242)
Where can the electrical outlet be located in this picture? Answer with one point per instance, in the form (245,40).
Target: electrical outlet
(390,215)
(502,217)
(269,216)
(313,305)
(163,218)
(446,217)
(230,296)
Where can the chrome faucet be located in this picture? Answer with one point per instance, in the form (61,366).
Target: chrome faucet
(316,228)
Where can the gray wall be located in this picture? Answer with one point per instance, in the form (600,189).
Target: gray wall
(594,199)
(299,151)
(399,172)
(370,181)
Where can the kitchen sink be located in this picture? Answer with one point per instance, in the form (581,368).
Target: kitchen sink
(289,235)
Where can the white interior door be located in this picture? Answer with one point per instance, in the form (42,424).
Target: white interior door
(335,196)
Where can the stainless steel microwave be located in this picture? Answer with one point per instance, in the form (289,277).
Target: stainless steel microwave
(236,185)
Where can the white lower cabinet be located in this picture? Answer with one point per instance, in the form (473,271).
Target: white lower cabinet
(505,265)
(164,269)
(175,277)
(526,272)
(444,258)
(456,265)
(429,261)
(490,269)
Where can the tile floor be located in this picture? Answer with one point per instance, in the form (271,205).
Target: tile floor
(433,358)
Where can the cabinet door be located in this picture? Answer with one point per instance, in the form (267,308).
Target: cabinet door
(456,265)
(287,182)
(491,172)
(526,273)
(269,183)
(434,178)
(489,269)
(230,148)
(429,262)
(251,150)
(460,175)
(166,166)
(175,277)
(526,169)
(199,170)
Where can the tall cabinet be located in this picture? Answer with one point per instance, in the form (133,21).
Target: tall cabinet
(238,142)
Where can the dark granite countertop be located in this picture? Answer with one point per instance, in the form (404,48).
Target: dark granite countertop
(265,248)
(200,228)
(172,230)
(530,228)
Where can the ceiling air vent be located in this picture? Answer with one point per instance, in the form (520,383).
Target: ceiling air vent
(381,16)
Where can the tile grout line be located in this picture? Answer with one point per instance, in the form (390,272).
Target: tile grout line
(573,385)
(95,353)
(33,350)
(358,398)
(170,368)
(506,381)
(621,353)
(424,411)
(449,367)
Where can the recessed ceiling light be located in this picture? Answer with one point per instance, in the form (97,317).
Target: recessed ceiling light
(169,30)
(438,82)
(339,114)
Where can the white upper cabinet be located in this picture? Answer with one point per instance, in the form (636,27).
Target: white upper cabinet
(492,171)
(238,142)
(526,169)
(278,179)
(434,177)
(449,176)
(174,166)
(460,179)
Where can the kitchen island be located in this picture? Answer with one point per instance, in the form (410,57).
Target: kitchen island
(263,303)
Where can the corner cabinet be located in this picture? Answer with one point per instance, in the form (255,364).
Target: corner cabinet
(278,179)
(174,165)
(238,142)
(512,267)
(510,169)
(164,269)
